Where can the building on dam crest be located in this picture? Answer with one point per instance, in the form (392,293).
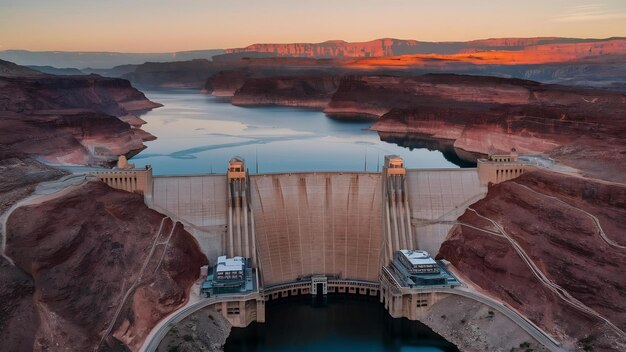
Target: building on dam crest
(415,268)
(229,276)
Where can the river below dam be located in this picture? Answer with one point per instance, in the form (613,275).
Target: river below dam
(198,133)
(343,323)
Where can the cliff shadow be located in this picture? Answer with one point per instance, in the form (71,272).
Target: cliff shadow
(454,155)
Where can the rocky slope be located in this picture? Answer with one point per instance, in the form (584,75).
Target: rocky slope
(74,266)
(9,69)
(474,327)
(111,96)
(19,176)
(226,83)
(309,92)
(547,214)
(71,119)
(181,74)
(204,330)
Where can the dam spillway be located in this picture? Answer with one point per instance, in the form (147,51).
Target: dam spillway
(318,223)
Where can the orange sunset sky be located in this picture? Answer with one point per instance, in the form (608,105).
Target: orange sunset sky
(176,25)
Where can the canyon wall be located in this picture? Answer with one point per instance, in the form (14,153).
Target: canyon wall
(548,47)
(308,92)
(84,120)
(79,271)
(551,218)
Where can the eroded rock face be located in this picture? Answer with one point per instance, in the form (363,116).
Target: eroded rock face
(475,327)
(309,92)
(112,96)
(72,119)
(181,74)
(204,330)
(19,175)
(545,213)
(76,265)
(583,128)
(533,49)
(226,83)
(18,314)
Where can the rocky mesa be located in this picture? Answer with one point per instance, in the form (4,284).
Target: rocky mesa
(80,120)
(309,92)
(542,49)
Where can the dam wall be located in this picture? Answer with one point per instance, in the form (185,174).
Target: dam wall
(200,202)
(437,198)
(317,223)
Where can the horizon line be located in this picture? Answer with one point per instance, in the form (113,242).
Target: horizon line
(617,37)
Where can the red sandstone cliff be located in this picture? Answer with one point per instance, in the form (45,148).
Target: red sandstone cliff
(74,266)
(547,214)
(309,92)
(541,49)
(226,83)
(333,48)
(581,127)
(112,96)
(71,119)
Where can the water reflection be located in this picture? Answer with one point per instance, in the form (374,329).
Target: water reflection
(446,147)
(199,134)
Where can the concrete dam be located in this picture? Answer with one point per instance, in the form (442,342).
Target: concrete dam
(315,233)
(318,223)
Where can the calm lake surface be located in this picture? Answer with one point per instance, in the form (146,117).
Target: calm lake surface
(199,133)
(344,323)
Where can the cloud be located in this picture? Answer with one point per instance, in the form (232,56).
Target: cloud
(589,12)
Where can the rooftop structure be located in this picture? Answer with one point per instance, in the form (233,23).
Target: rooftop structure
(229,275)
(230,268)
(236,168)
(394,165)
(415,268)
(504,158)
(501,167)
(418,261)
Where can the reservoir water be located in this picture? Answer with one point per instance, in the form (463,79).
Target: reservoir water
(199,133)
(344,323)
